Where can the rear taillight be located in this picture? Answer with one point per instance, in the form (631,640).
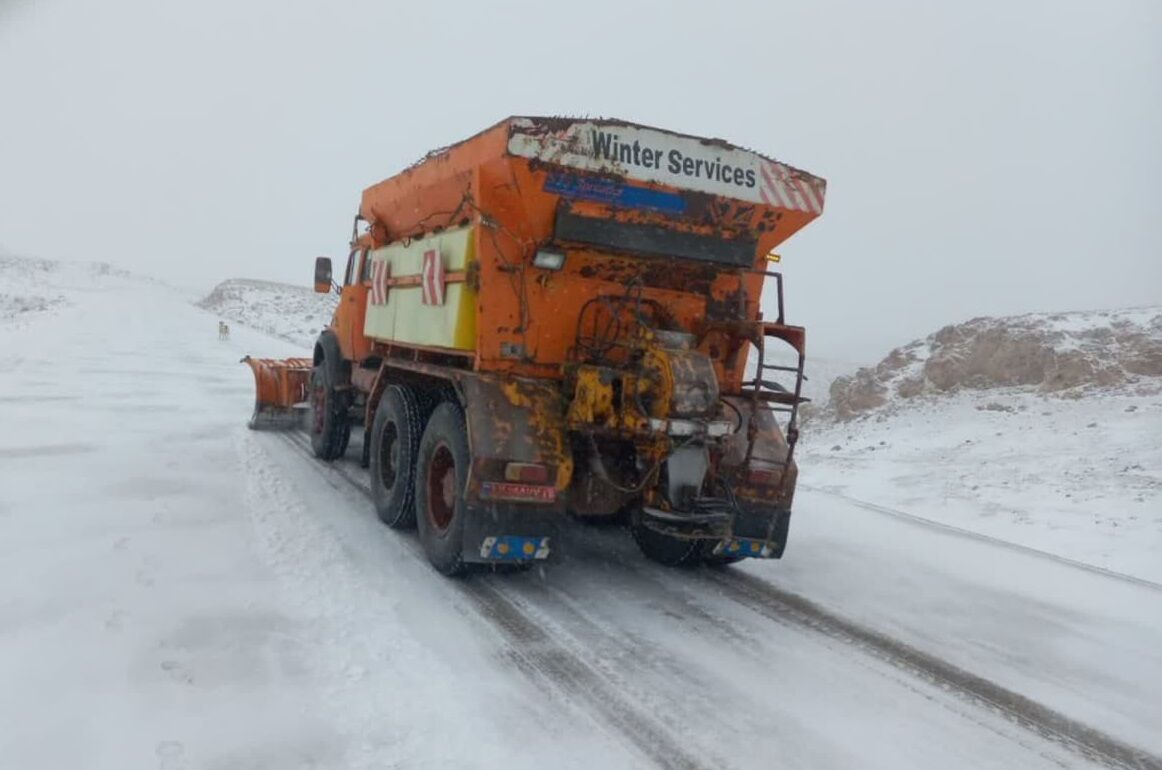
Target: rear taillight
(763,477)
(526,473)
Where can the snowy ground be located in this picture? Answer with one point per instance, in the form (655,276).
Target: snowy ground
(33,287)
(183,593)
(1079,478)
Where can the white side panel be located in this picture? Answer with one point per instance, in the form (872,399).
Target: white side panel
(401,313)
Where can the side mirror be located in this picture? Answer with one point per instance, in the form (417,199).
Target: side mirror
(323,275)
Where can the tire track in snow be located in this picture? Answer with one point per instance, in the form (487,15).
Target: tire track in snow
(1095,745)
(968,534)
(785,607)
(541,656)
(539,653)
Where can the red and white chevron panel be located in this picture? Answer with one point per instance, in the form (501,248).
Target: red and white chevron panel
(779,187)
(380,272)
(433,278)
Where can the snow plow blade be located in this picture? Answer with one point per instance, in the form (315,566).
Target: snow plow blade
(280,391)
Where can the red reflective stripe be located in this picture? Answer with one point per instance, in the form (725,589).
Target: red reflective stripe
(775,187)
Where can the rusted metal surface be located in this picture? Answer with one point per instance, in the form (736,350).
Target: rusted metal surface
(684,382)
(594,403)
(658,274)
(759,442)
(515,419)
(593,493)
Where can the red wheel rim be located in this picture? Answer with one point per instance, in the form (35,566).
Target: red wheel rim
(441,488)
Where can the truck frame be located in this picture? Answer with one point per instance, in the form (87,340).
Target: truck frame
(555,317)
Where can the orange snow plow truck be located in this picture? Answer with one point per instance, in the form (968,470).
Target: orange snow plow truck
(556,317)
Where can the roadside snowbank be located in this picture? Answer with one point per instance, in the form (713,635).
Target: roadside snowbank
(1041,430)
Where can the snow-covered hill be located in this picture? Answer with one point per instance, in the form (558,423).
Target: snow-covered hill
(1038,429)
(293,313)
(33,287)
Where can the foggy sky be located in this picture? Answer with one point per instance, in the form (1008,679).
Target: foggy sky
(981,157)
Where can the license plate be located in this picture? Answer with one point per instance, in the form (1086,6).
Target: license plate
(506,490)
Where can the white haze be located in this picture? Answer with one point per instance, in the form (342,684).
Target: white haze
(982,158)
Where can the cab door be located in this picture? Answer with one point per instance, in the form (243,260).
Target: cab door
(350,315)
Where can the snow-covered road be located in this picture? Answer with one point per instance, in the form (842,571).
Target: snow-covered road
(182,593)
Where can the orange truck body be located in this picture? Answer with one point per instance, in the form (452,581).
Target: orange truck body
(482,176)
(480,265)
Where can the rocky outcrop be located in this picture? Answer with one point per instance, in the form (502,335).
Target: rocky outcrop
(1063,353)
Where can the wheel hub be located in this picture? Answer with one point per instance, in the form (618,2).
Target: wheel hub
(441,488)
(389,455)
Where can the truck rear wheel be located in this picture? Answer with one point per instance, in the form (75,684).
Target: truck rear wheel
(395,443)
(441,476)
(664,549)
(330,428)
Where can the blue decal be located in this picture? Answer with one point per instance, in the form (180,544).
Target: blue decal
(614,193)
(514,548)
(746,546)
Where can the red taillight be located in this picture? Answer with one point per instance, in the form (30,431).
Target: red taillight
(526,473)
(763,477)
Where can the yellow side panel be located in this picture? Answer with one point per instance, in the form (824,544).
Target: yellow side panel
(405,317)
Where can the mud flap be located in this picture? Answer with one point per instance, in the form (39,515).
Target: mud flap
(758,532)
(514,420)
(511,533)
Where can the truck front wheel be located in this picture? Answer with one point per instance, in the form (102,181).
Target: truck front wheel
(441,477)
(330,428)
(395,443)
